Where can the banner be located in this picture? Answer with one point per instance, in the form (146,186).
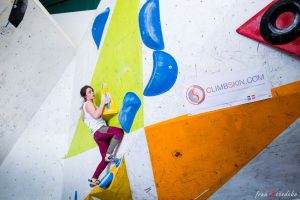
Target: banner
(227,89)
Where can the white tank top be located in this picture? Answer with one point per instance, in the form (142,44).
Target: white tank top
(91,122)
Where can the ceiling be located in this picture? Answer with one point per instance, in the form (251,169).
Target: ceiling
(63,6)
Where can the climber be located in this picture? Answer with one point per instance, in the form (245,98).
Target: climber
(106,137)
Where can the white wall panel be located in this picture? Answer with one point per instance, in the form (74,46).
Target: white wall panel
(33,57)
(201,36)
(33,169)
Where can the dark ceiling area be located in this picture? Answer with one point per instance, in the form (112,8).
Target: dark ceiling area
(63,6)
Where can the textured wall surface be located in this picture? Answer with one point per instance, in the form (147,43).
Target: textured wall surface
(198,154)
(33,169)
(75,31)
(275,169)
(33,58)
(201,36)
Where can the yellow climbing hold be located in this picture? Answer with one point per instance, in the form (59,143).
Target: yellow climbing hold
(119,187)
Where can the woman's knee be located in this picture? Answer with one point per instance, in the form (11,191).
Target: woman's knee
(119,134)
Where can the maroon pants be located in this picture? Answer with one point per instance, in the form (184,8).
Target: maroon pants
(103,141)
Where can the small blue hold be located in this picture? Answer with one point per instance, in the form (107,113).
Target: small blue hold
(98,26)
(118,163)
(75,198)
(130,106)
(106,181)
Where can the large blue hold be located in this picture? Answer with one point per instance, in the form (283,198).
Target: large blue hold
(106,181)
(150,27)
(164,74)
(130,106)
(98,26)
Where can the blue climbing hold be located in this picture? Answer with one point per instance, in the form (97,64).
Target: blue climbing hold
(164,74)
(118,163)
(130,106)
(150,27)
(98,26)
(106,181)
(76,196)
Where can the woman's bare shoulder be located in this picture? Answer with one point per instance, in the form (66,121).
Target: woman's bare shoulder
(89,106)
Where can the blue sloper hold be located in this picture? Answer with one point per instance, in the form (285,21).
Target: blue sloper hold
(98,26)
(164,74)
(130,106)
(150,27)
(106,181)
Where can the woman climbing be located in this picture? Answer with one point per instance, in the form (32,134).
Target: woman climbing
(106,137)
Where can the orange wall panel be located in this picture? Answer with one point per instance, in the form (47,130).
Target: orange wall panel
(193,156)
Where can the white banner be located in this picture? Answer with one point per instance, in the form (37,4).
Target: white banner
(225,90)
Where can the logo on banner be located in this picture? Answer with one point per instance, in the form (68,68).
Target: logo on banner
(195,94)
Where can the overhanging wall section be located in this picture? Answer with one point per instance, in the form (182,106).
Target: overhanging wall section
(33,57)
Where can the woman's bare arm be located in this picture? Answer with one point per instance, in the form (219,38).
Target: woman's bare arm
(95,111)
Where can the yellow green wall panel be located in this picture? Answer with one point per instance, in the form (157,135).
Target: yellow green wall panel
(119,66)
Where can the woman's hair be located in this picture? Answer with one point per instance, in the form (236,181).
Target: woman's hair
(83,91)
(83,95)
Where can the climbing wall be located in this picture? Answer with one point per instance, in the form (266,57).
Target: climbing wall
(146,53)
(193,158)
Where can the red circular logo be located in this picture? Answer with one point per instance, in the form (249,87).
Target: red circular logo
(195,94)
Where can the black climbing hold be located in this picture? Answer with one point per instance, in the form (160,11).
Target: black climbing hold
(268,29)
(17,12)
